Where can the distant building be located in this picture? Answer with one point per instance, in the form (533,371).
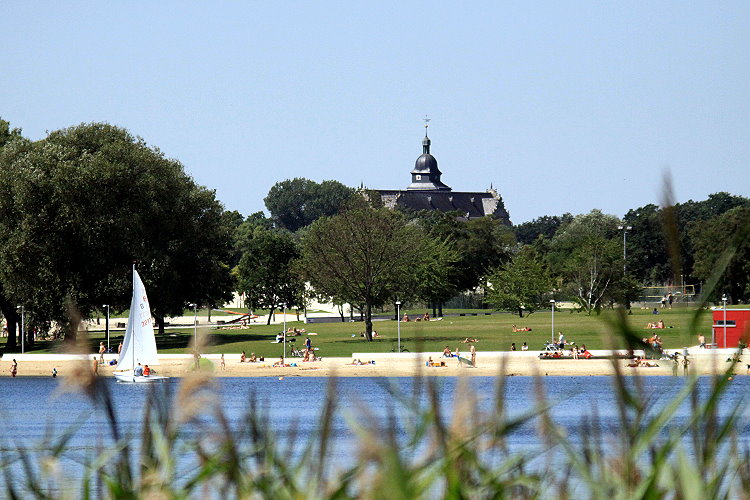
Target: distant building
(428,192)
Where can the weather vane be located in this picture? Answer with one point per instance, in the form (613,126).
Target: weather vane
(426,121)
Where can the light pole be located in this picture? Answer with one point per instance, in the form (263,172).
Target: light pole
(552,302)
(23,329)
(398,323)
(284,336)
(624,230)
(106,325)
(724,300)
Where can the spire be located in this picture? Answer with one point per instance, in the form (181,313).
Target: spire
(426,140)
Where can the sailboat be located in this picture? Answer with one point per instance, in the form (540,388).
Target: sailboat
(139,346)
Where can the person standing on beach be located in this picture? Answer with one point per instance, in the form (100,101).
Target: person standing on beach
(102,350)
(223,363)
(458,357)
(14,368)
(685,363)
(473,351)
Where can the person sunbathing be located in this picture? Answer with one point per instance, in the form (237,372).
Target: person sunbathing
(242,357)
(447,352)
(280,362)
(253,359)
(467,340)
(355,362)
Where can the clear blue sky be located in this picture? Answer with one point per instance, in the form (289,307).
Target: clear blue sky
(562,106)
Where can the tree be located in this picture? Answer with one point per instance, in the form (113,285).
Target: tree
(722,253)
(266,269)
(587,255)
(297,203)
(80,206)
(520,284)
(546,226)
(366,257)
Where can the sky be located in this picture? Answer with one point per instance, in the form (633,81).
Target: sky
(560,106)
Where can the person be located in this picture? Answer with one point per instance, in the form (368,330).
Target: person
(512,346)
(308,343)
(243,358)
(279,338)
(54,372)
(146,371)
(253,359)
(473,351)
(675,365)
(660,324)
(655,311)
(670,299)
(525,347)
(223,363)
(14,368)
(119,348)
(447,352)
(664,302)
(561,340)
(102,350)
(701,341)
(574,352)
(685,363)
(280,362)
(406,318)
(138,371)
(468,340)
(96,366)
(458,356)
(426,317)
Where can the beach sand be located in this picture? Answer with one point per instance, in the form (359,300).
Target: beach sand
(490,364)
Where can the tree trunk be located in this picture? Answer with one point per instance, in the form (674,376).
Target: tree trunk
(12,316)
(440,309)
(210,308)
(160,323)
(434,310)
(297,312)
(368,322)
(270,315)
(341,312)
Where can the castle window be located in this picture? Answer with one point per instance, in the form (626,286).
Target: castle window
(418,177)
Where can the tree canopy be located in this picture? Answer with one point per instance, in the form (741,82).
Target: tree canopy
(80,206)
(297,203)
(368,257)
(522,284)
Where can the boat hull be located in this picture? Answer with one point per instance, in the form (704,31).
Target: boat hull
(128,377)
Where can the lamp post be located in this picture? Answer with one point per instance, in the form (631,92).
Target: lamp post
(724,300)
(106,325)
(23,329)
(398,323)
(552,302)
(624,230)
(284,337)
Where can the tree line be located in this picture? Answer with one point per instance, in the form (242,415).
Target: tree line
(80,206)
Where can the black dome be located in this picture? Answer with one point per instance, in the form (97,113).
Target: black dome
(426,164)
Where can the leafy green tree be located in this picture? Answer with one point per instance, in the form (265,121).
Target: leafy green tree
(297,203)
(80,206)
(521,284)
(587,255)
(366,257)
(722,245)
(266,270)
(479,245)
(545,226)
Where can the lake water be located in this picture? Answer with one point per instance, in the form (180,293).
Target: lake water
(34,409)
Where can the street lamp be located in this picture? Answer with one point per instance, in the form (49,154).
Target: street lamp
(398,323)
(284,336)
(106,325)
(724,300)
(23,329)
(624,230)
(552,302)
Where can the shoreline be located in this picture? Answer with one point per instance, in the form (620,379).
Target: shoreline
(385,365)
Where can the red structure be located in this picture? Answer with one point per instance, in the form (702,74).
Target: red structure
(737,327)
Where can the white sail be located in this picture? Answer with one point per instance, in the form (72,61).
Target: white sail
(139,345)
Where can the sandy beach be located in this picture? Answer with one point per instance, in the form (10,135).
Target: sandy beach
(385,365)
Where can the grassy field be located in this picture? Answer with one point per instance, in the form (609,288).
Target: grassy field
(494,333)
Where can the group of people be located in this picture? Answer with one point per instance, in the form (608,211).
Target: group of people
(667,300)
(655,324)
(252,359)
(447,353)
(654,344)
(524,347)
(424,317)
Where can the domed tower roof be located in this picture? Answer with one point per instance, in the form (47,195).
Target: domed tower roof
(426,175)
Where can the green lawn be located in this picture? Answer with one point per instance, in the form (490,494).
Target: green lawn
(494,333)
